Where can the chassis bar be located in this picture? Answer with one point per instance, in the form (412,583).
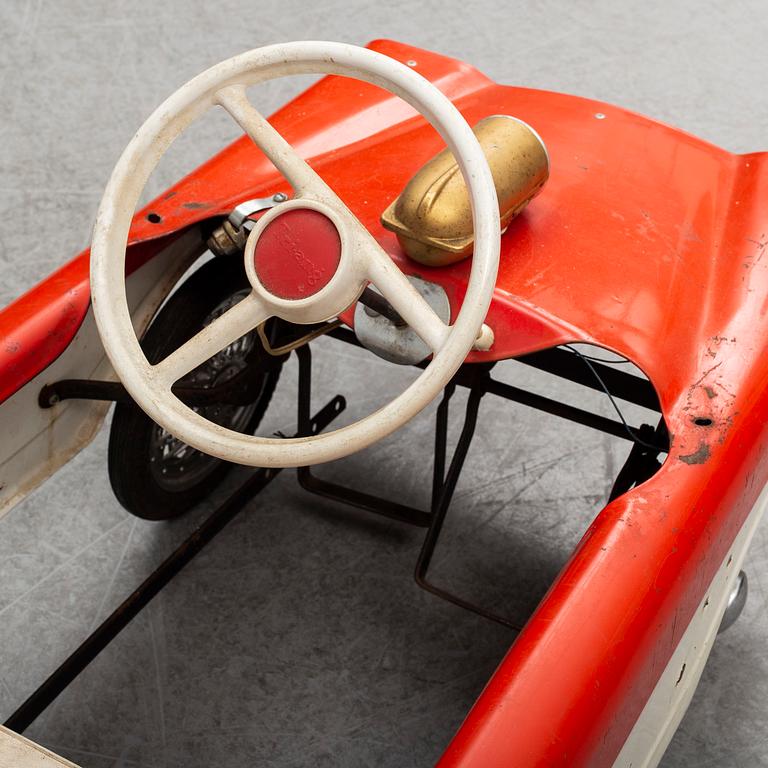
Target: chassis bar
(108,630)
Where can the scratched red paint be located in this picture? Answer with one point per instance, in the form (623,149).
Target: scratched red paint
(637,243)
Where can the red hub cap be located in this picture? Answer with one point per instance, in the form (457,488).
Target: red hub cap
(297,254)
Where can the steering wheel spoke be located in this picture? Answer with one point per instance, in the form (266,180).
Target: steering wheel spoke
(305,182)
(406,300)
(217,335)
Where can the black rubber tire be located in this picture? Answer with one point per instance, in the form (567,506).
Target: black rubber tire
(132,431)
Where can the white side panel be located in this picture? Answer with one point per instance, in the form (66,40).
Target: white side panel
(18,752)
(667,704)
(36,441)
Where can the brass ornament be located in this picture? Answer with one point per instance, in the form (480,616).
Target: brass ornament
(432,217)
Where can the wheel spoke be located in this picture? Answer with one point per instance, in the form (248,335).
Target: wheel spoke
(223,331)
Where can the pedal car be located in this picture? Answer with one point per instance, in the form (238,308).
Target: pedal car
(558,223)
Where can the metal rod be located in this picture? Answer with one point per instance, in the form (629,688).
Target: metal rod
(304,403)
(365,501)
(558,362)
(28,712)
(642,462)
(82,389)
(242,389)
(378,304)
(566,365)
(442,494)
(309,482)
(563,410)
(441,444)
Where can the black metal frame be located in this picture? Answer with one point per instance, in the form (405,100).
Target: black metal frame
(108,630)
(642,462)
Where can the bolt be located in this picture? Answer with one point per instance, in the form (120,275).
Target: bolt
(280,197)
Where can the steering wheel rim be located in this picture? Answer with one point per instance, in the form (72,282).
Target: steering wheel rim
(224,84)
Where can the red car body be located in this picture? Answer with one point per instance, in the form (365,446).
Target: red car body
(645,241)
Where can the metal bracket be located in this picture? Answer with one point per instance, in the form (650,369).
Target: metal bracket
(230,237)
(242,212)
(239,390)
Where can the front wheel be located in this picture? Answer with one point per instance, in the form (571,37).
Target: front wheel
(154,475)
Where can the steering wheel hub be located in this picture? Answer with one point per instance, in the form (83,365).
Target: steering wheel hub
(297,253)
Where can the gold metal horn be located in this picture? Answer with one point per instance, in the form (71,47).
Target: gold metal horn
(432,217)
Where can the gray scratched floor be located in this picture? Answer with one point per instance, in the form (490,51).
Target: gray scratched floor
(298,637)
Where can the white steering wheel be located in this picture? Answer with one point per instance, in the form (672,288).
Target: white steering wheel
(307,259)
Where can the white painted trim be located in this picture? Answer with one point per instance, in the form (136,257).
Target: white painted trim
(37,441)
(669,701)
(18,752)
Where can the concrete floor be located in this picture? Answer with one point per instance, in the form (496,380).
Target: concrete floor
(298,637)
